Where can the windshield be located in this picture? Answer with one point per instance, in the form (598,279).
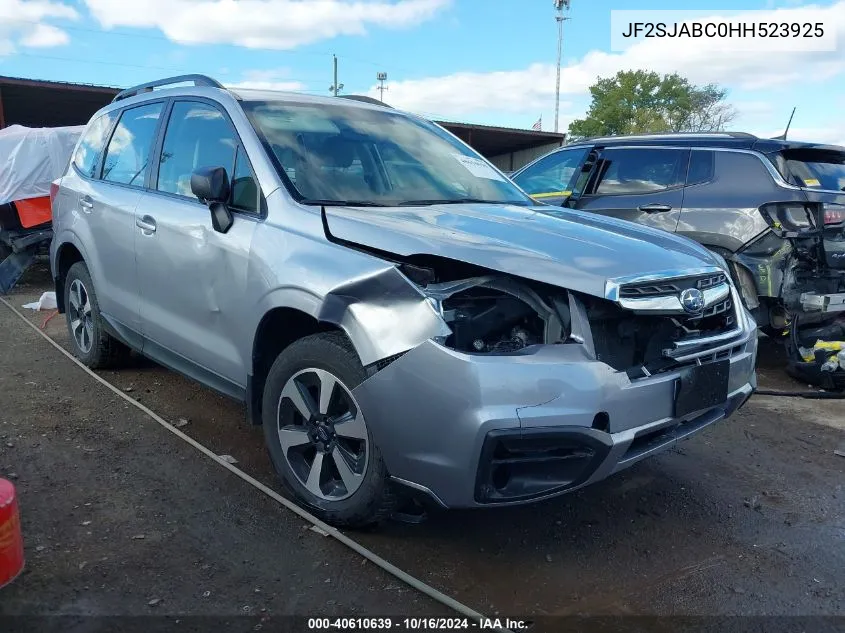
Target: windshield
(353,155)
(817,169)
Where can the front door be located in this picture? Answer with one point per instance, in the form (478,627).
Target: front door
(640,184)
(192,278)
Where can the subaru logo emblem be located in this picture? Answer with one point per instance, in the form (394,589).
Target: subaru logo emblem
(692,300)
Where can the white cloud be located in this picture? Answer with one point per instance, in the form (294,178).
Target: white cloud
(526,89)
(44,36)
(267,80)
(274,24)
(754,109)
(22,23)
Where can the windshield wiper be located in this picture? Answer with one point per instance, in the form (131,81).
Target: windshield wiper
(342,203)
(425,203)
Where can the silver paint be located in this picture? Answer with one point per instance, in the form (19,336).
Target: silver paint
(197,296)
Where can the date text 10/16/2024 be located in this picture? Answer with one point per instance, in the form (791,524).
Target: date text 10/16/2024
(416,624)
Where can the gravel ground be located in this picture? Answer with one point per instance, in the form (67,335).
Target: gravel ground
(120,517)
(747,518)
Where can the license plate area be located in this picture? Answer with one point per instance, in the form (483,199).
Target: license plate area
(701,387)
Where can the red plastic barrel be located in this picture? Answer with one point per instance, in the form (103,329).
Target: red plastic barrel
(11,541)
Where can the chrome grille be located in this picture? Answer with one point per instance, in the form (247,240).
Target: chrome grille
(650,290)
(718,308)
(671,287)
(702,283)
(718,331)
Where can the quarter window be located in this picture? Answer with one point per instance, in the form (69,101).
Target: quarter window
(90,149)
(198,135)
(128,155)
(646,170)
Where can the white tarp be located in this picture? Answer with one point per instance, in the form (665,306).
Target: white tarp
(32,158)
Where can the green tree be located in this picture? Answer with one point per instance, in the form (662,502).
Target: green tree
(639,101)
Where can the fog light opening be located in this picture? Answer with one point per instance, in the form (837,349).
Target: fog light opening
(501,477)
(601,422)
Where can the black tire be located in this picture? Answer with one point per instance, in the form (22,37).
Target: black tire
(373,501)
(104,351)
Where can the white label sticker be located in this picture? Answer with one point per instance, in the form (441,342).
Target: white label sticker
(478,167)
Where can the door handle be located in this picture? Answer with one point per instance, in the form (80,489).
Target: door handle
(654,208)
(146,224)
(86,203)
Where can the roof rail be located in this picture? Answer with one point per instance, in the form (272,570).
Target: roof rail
(366,99)
(669,135)
(198,80)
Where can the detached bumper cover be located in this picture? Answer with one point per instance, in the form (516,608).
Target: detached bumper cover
(564,419)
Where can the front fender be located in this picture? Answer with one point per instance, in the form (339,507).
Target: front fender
(382,312)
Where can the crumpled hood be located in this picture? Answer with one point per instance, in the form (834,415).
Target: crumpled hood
(571,249)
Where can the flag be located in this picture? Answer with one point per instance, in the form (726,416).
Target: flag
(538,125)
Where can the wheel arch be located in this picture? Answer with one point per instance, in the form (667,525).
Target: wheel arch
(67,254)
(277,329)
(382,314)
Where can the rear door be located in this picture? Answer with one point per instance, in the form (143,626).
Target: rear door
(106,199)
(639,184)
(550,179)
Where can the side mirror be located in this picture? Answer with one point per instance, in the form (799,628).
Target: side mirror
(211,185)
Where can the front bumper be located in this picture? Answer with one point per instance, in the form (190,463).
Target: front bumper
(438,416)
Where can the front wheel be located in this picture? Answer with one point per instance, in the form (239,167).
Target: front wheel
(317,434)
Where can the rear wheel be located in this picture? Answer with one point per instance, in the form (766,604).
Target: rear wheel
(90,342)
(317,434)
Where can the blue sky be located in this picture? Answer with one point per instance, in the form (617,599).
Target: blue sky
(468,60)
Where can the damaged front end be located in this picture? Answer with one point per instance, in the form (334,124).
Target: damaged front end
(536,390)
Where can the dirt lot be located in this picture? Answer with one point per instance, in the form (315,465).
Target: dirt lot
(745,519)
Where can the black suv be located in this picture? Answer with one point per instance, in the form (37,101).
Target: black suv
(772,208)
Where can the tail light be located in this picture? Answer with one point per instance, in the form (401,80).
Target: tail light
(793,219)
(834,214)
(54,191)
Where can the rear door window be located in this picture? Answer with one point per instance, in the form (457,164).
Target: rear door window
(90,149)
(814,169)
(641,170)
(128,155)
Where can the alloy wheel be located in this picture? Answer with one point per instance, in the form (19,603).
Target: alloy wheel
(323,434)
(80,318)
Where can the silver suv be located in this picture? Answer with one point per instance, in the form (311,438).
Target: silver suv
(401,318)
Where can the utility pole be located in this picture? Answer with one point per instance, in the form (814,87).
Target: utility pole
(335,87)
(560,6)
(381,77)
